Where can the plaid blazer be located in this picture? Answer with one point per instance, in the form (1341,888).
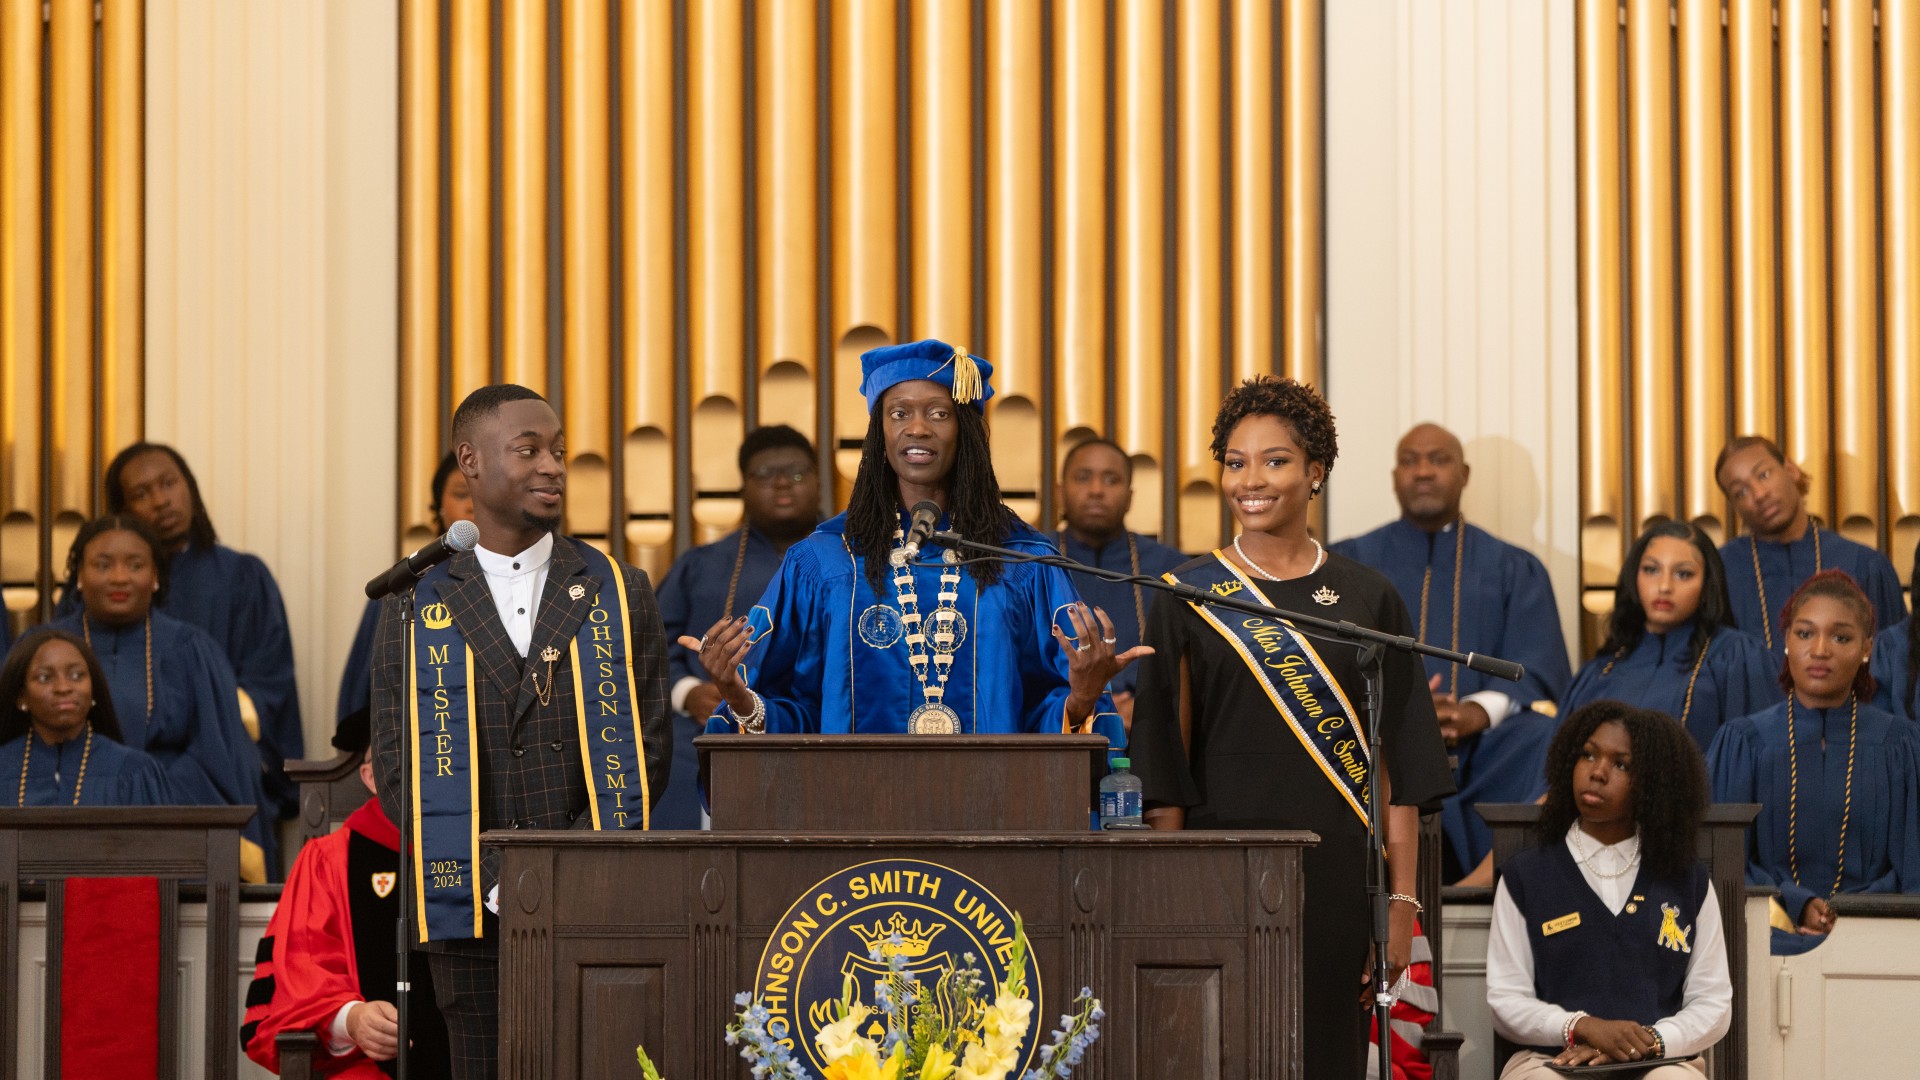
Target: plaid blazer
(531,774)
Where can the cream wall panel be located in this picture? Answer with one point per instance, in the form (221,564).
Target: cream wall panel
(1450,261)
(272,175)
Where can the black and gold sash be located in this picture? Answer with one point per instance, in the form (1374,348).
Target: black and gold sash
(1285,665)
(445,745)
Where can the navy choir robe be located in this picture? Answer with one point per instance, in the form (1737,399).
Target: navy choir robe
(693,596)
(115,775)
(816,672)
(356,679)
(1785,567)
(1749,763)
(1892,668)
(1117,600)
(1737,676)
(1507,610)
(194,729)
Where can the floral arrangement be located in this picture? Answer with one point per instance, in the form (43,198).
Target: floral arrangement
(976,1038)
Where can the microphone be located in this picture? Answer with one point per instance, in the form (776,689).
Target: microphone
(1498,668)
(926,518)
(462,537)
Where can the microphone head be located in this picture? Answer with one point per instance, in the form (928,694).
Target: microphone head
(928,509)
(463,536)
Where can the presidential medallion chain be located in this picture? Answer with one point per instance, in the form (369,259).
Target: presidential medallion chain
(931,642)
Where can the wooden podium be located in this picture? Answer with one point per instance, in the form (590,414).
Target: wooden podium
(611,939)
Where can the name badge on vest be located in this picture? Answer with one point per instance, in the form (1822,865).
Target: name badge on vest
(445,746)
(1564,922)
(1286,666)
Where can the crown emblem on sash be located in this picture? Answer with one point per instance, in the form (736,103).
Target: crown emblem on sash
(915,940)
(436,616)
(577,591)
(1326,597)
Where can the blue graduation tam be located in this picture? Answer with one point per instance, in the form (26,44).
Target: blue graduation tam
(933,360)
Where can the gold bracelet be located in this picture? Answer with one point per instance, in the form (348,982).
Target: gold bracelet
(1418,908)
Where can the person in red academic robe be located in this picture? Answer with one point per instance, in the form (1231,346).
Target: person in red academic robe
(326,964)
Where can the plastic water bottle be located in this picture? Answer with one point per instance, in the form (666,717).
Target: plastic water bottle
(1120,798)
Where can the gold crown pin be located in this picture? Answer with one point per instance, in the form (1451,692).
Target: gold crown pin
(1326,597)
(549,654)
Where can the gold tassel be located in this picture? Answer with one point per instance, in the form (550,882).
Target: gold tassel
(966,376)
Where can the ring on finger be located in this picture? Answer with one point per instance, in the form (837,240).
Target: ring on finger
(1110,640)
(1081,648)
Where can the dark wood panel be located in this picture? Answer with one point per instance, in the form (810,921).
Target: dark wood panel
(620,1006)
(1177,1010)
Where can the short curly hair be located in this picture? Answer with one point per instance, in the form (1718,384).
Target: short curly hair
(1669,793)
(1298,404)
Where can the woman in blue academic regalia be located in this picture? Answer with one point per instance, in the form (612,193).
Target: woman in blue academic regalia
(1671,645)
(1837,779)
(60,742)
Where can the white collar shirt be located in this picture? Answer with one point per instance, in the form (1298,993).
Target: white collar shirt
(517,582)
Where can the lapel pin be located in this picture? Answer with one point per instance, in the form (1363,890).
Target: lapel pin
(577,591)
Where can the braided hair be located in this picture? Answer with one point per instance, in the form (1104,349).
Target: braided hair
(1669,790)
(200,529)
(973,497)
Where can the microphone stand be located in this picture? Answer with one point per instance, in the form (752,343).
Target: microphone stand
(404,884)
(1371,645)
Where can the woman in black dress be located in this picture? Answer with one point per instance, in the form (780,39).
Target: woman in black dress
(1240,723)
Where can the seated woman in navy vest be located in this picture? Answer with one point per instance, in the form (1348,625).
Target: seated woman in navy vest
(1606,943)
(1837,780)
(61,738)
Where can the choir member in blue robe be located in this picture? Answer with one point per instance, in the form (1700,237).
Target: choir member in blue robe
(1671,645)
(1896,659)
(1784,546)
(1471,592)
(1837,780)
(780,494)
(6,634)
(1096,491)
(172,690)
(60,743)
(226,593)
(849,642)
(452,501)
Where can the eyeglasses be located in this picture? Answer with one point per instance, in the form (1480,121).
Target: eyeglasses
(769,474)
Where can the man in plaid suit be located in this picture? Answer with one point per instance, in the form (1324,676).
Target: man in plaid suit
(522,594)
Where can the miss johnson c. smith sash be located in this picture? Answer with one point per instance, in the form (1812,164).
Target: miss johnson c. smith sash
(1286,666)
(444,754)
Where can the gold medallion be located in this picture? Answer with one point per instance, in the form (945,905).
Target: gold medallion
(933,718)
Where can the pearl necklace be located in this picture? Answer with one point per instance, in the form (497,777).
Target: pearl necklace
(1584,858)
(1319,558)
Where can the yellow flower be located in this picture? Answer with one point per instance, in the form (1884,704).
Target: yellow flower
(980,1065)
(1004,1026)
(939,1064)
(837,1040)
(864,1064)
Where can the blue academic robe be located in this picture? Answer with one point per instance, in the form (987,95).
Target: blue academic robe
(1115,599)
(816,673)
(692,598)
(356,678)
(1749,763)
(1507,610)
(1737,677)
(115,776)
(1785,567)
(194,730)
(1891,668)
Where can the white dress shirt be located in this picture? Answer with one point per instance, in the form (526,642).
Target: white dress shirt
(517,582)
(1706,1004)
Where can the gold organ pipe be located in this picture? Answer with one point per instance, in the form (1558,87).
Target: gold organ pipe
(647,290)
(70,257)
(716,255)
(1080,219)
(1856,310)
(523,194)
(1803,199)
(1199,345)
(1650,198)
(420,434)
(1703,286)
(1140,237)
(471,213)
(1601,511)
(865,211)
(1301,195)
(1013,249)
(21,284)
(586,160)
(1900,233)
(788,194)
(122,270)
(1750,110)
(1253,179)
(941,196)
